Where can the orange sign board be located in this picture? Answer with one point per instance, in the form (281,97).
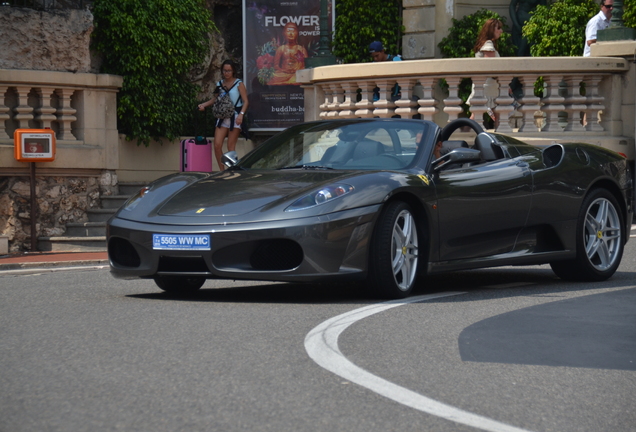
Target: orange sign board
(34,145)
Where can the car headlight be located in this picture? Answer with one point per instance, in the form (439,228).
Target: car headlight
(134,200)
(320,196)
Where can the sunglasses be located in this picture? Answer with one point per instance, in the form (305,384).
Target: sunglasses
(610,7)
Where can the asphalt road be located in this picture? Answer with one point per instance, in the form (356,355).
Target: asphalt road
(506,349)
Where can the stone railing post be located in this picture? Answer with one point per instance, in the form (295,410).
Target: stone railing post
(553,103)
(453,101)
(504,106)
(65,114)
(348,106)
(4,113)
(574,103)
(530,103)
(428,104)
(23,112)
(594,103)
(406,105)
(45,112)
(384,107)
(364,107)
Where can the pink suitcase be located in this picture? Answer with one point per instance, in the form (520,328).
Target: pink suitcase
(196,157)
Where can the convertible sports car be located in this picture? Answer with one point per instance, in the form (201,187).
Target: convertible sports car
(382,200)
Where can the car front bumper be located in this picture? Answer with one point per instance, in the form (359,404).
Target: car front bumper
(332,246)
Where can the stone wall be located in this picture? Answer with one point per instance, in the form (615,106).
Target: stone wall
(59,40)
(60,200)
(55,41)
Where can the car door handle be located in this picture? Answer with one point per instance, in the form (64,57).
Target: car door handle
(523,164)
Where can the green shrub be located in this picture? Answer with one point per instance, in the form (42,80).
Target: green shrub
(360,22)
(629,13)
(153,44)
(558,29)
(463,34)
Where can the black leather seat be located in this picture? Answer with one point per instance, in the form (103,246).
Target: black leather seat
(367,148)
(489,149)
(447,146)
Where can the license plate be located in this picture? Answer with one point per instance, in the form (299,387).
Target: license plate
(181,241)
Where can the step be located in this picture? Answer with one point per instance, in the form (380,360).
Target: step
(113,201)
(130,188)
(99,215)
(72,244)
(85,229)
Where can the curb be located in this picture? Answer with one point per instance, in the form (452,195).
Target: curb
(39,267)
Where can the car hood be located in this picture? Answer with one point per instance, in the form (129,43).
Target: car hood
(235,196)
(235,193)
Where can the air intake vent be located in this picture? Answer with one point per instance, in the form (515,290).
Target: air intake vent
(122,253)
(278,254)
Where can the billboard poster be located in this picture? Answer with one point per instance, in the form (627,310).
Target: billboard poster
(278,36)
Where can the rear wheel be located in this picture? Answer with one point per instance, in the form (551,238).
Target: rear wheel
(394,252)
(599,243)
(179,284)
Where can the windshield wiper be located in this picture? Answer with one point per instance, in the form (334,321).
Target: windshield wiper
(305,167)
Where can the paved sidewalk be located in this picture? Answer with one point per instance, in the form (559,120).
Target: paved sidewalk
(28,262)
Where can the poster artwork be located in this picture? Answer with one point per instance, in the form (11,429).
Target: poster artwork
(279,37)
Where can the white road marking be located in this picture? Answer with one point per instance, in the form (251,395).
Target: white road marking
(321,344)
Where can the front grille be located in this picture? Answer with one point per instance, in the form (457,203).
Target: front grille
(277,254)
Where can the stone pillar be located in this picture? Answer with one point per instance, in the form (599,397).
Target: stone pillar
(419,18)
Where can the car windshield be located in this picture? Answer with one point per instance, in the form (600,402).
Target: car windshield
(341,144)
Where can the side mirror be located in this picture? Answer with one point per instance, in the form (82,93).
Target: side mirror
(230,159)
(458,155)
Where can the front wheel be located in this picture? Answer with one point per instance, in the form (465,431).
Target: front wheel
(394,252)
(179,284)
(599,243)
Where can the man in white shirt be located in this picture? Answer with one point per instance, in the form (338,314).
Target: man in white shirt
(598,22)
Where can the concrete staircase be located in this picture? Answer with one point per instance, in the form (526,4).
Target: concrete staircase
(90,236)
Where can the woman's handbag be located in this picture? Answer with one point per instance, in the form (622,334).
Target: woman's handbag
(223,107)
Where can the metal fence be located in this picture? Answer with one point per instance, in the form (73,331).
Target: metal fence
(44,5)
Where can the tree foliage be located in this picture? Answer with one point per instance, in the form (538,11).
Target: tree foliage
(153,44)
(463,34)
(360,22)
(629,13)
(558,29)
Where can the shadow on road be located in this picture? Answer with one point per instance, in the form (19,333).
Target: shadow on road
(488,282)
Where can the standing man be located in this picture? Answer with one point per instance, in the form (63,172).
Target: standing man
(377,52)
(598,22)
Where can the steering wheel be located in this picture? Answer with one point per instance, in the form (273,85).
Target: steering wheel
(456,124)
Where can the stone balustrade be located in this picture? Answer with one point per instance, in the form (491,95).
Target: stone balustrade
(587,99)
(80,107)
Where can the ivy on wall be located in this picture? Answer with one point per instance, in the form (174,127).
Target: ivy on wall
(153,44)
(360,22)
